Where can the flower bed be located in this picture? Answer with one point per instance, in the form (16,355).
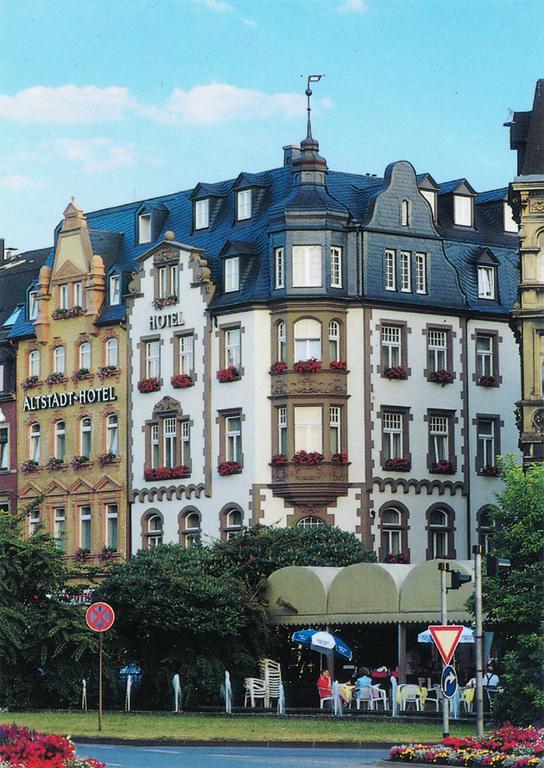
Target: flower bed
(397,465)
(508,747)
(182,381)
(229,468)
(29,749)
(228,374)
(442,376)
(149,385)
(397,372)
(305,457)
(278,367)
(313,365)
(339,458)
(166,473)
(339,365)
(66,314)
(30,382)
(107,371)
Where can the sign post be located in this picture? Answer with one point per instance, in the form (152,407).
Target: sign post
(100,617)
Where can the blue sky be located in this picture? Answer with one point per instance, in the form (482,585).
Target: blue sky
(113,101)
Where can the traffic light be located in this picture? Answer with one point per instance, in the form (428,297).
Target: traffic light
(458,579)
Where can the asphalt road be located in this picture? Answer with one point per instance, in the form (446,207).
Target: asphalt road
(229,757)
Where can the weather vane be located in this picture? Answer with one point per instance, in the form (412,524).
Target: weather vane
(311,79)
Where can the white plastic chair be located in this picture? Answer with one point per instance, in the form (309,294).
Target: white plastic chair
(468,706)
(380,696)
(323,699)
(364,694)
(255,689)
(271,674)
(410,694)
(434,696)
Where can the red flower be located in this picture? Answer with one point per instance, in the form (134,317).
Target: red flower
(278,367)
(339,365)
(228,374)
(443,467)
(313,365)
(279,458)
(166,473)
(339,458)
(149,385)
(182,381)
(305,457)
(442,376)
(229,468)
(398,465)
(397,372)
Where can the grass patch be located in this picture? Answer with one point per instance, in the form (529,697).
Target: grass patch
(236,728)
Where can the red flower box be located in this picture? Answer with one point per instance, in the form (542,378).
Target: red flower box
(442,376)
(339,365)
(400,559)
(339,458)
(107,371)
(396,373)
(30,382)
(66,314)
(313,365)
(106,458)
(487,381)
(490,470)
(228,374)
(279,458)
(398,465)
(182,381)
(229,468)
(168,301)
(166,473)
(278,368)
(443,468)
(305,457)
(149,385)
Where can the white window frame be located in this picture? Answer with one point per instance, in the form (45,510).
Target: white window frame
(310,521)
(112,434)
(59,359)
(510,225)
(85,527)
(186,354)
(437,350)
(390,266)
(60,439)
(307,336)
(279,268)
(232,274)
(243,204)
(405,213)
(144,228)
(78,294)
(307,266)
(154,535)
(439,430)
(34,362)
(308,428)
(430,197)
(85,355)
(391,346)
(202,213)
(486,281)
(155,447)
(391,532)
(4,447)
(335,429)
(59,527)
(185,440)
(282,341)
(34,442)
(115,289)
(234,522)
(334,340)
(85,436)
(112,351)
(486,451)
(233,438)
(2,377)
(485,364)
(421,273)
(63,296)
(32,305)
(282,429)
(163,283)
(34,520)
(233,347)
(393,433)
(169,442)
(112,526)
(191,532)
(439,536)
(405,272)
(463,210)
(153,359)
(336,267)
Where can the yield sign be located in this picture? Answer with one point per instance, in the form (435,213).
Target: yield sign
(446,638)
(100,617)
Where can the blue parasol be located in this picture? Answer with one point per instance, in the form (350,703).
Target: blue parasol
(322,642)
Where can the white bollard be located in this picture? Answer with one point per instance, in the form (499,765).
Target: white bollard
(84,694)
(394,703)
(176,685)
(281,701)
(127,694)
(337,699)
(228,694)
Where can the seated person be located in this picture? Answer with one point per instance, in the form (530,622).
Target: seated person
(490,679)
(363,680)
(324,686)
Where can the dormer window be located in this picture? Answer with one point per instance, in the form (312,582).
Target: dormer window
(232,274)
(509,224)
(243,204)
(405,213)
(462,211)
(430,197)
(144,228)
(32,305)
(202,214)
(115,289)
(486,282)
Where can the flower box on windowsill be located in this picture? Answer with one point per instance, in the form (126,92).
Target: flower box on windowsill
(31,382)
(278,367)
(82,554)
(279,458)
(107,458)
(66,314)
(443,468)
(397,465)
(487,381)
(53,465)
(339,458)
(491,470)
(79,462)
(168,301)
(167,473)
(229,468)
(400,559)
(338,365)
(83,373)
(108,553)
(232,373)
(28,467)
(396,373)
(149,385)
(442,376)
(55,378)
(107,371)
(305,457)
(313,365)
(182,381)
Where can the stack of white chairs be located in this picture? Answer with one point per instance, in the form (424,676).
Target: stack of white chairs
(255,689)
(266,687)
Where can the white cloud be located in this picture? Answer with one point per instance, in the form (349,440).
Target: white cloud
(19,181)
(96,155)
(249,22)
(353,6)
(217,6)
(66,104)
(220,102)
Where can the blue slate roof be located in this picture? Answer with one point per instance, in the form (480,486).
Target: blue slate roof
(463,256)
(492,196)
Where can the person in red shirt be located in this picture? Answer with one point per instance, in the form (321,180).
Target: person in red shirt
(324,684)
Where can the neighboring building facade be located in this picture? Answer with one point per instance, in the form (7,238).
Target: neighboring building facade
(527,194)
(71,385)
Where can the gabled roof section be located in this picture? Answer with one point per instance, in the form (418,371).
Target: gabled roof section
(167,244)
(492,196)
(426,181)
(239,248)
(458,186)
(484,256)
(202,190)
(247,180)
(465,257)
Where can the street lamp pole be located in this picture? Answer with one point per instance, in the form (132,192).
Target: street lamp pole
(478,551)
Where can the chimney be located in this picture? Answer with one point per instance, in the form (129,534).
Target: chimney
(289,152)
(2,249)
(10,253)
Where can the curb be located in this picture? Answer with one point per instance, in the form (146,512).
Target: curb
(230,743)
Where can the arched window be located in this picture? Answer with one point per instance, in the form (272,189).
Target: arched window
(112,434)
(282,342)
(85,355)
(112,352)
(334,340)
(154,532)
(190,529)
(85,440)
(440,533)
(392,535)
(34,363)
(59,360)
(405,213)
(307,339)
(233,520)
(60,440)
(310,522)
(486,525)
(34,443)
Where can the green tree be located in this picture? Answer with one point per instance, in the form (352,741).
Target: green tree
(514,598)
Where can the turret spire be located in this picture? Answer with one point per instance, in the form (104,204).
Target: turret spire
(311,79)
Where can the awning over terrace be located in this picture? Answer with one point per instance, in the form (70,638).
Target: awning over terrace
(365,593)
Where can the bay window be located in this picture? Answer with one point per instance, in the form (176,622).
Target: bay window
(335,435)
(334,340)
(282,430)
(308,429)
(336,267)
(307,339)
(307,266)
(279,265)
(390,271)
